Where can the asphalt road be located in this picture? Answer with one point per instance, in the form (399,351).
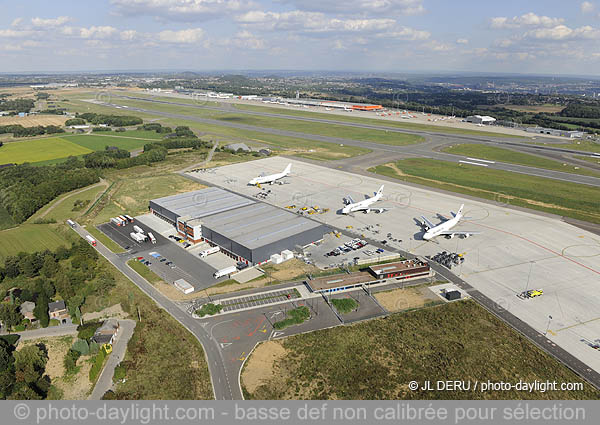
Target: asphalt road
(48,332)
(104,382)
(224,388)
(427,149)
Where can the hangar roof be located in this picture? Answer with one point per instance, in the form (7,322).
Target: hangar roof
(258,224)
(201,203)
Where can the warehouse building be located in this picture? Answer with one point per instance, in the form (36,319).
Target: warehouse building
(555,132)
(481,119)
(255,232)
(244,229)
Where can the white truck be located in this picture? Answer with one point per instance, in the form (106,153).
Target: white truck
(71,223)
(138,229)
(152,238)
(116,221)
(207,252)
(123,220)
(137,237)
(224,272)
(91,240)
(129,218)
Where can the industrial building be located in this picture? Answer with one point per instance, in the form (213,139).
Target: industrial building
(244,229)
(481,119)
(555,132)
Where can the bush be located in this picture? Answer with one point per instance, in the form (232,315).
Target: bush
(209,308)
(87,330)
(94,348)
(294,317)
(98,129)
(120,373)
(74,121)
(81,346)
(97,366)
(70,361)
(344,305)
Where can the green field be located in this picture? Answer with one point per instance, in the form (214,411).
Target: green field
(29,238)
(376,360)
(63,208)
(98,141)
(593,160)
(494,153)
(553,196)
(40,150)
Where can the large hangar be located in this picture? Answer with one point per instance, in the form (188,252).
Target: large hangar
(246,230)
(255,232)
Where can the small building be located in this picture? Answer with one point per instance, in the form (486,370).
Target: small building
(58,311)
(107,333)
(27,310)
(237,147)
(412,268)
(79,127)
(452,295)
(555,132)
(481,119)
(184,286)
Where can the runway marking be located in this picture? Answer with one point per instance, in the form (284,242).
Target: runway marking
(225,344)
(481,160)
(577,324)
(275,334)
(473,163)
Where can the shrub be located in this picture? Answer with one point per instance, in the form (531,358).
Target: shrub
(82,347)
(97,366)
(87,330)
(344,305)
(70,361)
(209,308)
(120,372)
(294,317)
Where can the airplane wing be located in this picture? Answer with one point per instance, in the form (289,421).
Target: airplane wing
(458,233)
(427,222)
(349,198)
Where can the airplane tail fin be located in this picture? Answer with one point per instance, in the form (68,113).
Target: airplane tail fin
(380,191)
(459,214)
(288,169)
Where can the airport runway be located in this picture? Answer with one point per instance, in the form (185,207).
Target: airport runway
(427,149)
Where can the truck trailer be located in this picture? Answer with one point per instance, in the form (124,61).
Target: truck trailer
(123,219)
(207,252)
(129,218)
(71,223)
(138,229)
(152,238)
(91,240)
(224,272)
(116,221)
(137,237)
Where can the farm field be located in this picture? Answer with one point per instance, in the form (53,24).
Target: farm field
(494,153)
(29,238)
(35,120)
(566,199)
(380,357)
(40,150)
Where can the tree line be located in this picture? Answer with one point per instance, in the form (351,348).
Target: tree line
(16,105)
(112,120)
(18,130)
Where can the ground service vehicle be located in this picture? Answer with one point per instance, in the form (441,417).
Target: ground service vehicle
(91,240)
(224,272)
(207,252)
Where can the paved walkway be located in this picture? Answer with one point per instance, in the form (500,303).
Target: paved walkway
(104,382)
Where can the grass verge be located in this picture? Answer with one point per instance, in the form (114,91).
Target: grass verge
(494,153)
(344,305)
(557,197)
(294,317)
(105,240)
(380,357)
(144,271)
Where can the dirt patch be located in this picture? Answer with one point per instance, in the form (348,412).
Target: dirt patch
(262,365)
(402,299)
(57,348)
(112,311)
(34,120)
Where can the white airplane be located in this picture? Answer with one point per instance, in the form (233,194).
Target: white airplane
(443,229)
(271,178)
(364,205)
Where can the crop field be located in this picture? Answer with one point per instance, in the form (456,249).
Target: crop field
(29,238)
(377,359)
(40,150)
(34,120)
(557,197)
(494,153)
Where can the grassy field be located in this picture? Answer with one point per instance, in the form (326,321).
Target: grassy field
(40,150)
(578,145)
(29,238)
(104,240)
(332,130)
(494,153)
(144,271)
(553,196)
(98,141)
(593,160)
(455,341)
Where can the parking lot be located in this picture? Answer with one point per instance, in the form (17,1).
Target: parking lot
(516,250)
(336,250)
(184,265)
(261,299)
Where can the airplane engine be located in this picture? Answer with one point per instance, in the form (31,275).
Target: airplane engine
(367,211)
(449,236)
(465,236)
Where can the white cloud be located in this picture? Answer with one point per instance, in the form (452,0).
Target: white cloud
(8,33)
(44,23)
(128,35)
(462,41)
(97,32)
(562,32)
(187,36)
(587,7)
(526,20)
(181,10)
(406,33)
(361,7)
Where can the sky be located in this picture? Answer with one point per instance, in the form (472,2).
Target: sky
(527,36)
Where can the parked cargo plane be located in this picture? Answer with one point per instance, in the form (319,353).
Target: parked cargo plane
(271,178)
(364,205)
(444,228)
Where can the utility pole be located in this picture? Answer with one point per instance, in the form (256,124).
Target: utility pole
(548,327)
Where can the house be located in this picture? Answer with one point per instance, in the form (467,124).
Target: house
(27,310)
(107,333)
(58,311)
(237,147)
